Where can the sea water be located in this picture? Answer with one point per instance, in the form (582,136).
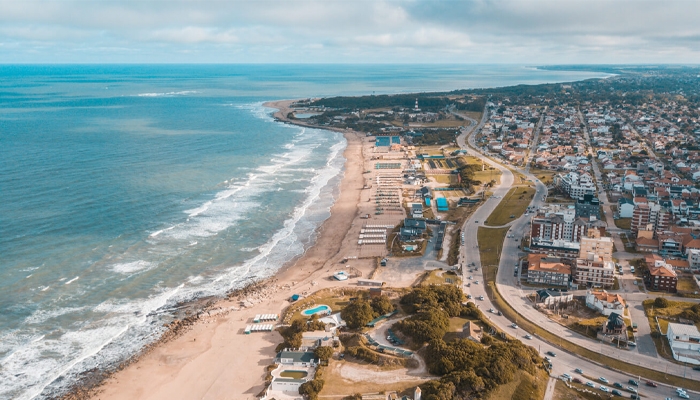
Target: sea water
(127,189)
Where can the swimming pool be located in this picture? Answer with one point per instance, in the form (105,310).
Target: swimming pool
(322,309)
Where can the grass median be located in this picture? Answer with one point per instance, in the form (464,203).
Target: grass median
(513,204)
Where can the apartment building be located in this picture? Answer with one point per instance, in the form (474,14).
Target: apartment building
(559,225)
(594,244)
(650,216)
(660,276)
(594,271)
(547,271)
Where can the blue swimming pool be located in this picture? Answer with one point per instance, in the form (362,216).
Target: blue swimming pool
(322,309)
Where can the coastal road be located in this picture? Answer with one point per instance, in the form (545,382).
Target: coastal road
(515,296)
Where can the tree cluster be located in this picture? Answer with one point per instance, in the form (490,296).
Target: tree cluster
(468,369)
(361,311)
(292,334)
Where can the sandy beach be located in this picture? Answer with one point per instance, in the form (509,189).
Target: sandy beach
(213,359)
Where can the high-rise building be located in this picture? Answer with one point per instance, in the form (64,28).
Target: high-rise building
(650,217)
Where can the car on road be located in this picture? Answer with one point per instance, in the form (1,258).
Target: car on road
(616,392)
(481,297)
(634,396)
(566,376)
(476,282)
(577,380)
(697,368)
(528,337)
(680,391)
(578,370)
(683,395)
(491,310)
(469,297)
(551,353)
(476,221)
(652,384)
(590,384)
(633,382)
(603,379)
(631,389)
(548,359)
(469,277)
(604,388)
(514,326)
(498,313)
(618,385)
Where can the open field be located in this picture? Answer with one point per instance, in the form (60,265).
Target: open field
(446,179)
(438,277)
(343,378)
(490,244)
(523,387)
(515,203)
(488,176)
(686,284)
(544,175)
(623,223)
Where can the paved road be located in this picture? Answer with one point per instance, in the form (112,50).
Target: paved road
(514,295)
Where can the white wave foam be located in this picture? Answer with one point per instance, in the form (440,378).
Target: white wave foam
(180,93)
(131,267)
(72,280)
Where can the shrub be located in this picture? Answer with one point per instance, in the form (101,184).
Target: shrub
(660,302)
(382,305)
(324,352)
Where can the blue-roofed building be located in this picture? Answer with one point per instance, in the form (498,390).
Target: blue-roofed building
(383,141)
(442,204)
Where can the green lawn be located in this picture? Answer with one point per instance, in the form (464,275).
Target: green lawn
(514,203)
(490,244)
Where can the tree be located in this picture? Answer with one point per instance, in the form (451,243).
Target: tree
(358,313)
(660,302)
(382,305)
(324,352)
(311,388)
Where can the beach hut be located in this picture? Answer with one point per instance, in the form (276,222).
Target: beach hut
(247,330)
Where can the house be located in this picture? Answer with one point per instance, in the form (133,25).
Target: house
(685,342)
(646,245)
(604,302)
(614,325)
(472,331)
(297,358)
(625,207)
(416,210)
(551,298)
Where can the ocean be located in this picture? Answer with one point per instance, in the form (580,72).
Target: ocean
(126,189)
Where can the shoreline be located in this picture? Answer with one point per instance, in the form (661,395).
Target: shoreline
(206,354)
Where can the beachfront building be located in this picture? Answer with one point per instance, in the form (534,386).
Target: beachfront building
(604,302)
(685,342)
(297,358)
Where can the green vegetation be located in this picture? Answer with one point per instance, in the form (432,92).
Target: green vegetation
(623,223)
(514,203)
(292,333)
(361,311)
(312,387)
(453,255)
(490,244)
(324,353)
(439,277)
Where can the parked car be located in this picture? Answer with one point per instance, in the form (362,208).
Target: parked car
(652,384)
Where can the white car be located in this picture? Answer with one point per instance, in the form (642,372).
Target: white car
(631,389)
(604,388)
(590,384)
(603,379)
(566,376)
(528,337)
(680,390)
(514,326)
(683,395)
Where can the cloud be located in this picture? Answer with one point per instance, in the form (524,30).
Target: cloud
(518,31)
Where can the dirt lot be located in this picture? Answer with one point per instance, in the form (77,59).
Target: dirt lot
(346,377)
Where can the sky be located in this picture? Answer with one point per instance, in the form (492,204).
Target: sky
(333,31)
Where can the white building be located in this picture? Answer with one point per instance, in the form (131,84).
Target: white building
(685,342)
(605,303)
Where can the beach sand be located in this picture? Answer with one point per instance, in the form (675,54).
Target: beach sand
(214,359)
